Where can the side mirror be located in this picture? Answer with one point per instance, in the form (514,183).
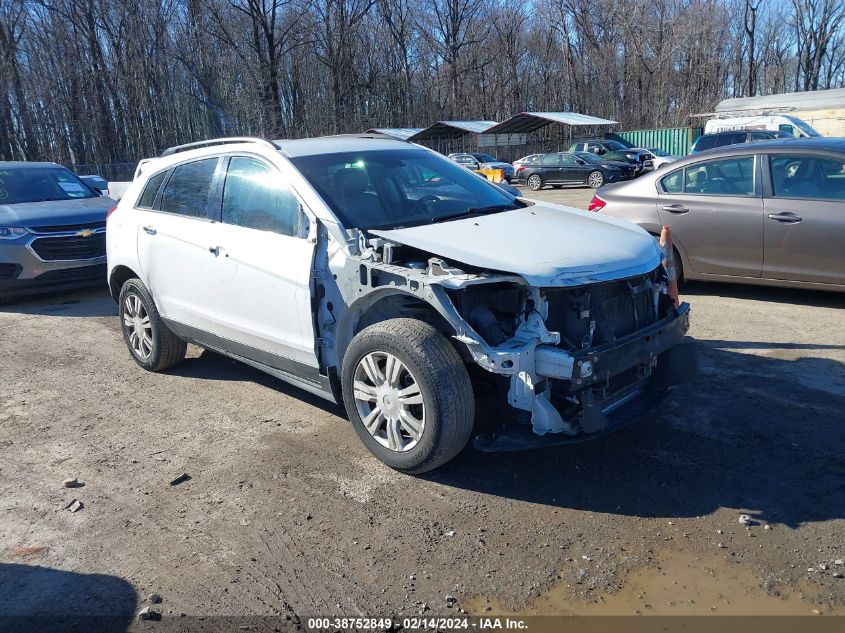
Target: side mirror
(97,183)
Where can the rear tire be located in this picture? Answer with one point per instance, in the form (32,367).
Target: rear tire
(151,343)
(428,425)
(535,182)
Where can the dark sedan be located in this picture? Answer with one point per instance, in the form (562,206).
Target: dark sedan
(573,168)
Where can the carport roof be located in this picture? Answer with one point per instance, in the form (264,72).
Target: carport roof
(525,122)
(451,129)
(402,133)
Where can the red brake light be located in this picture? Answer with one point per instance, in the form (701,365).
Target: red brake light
(520,168)
(596,204)
(109,212)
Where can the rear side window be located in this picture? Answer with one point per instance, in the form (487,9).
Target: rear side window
(187,190)
(550,159)
(810,177)
(148,196)
(761,136)
(674,182)
(731,139)
(705,142)
(257,197)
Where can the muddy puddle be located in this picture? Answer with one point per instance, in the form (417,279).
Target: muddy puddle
(682,584)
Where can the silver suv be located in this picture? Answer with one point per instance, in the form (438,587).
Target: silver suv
(382,275)
(52,229)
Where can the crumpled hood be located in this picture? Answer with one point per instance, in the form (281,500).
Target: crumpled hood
(56,212)
(546,244)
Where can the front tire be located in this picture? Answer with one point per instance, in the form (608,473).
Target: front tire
(595,179)
(151,343)
(408,395)
(535,182)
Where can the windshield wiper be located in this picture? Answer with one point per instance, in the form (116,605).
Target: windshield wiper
(474,212)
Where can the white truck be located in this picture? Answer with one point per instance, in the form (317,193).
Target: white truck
(786,123)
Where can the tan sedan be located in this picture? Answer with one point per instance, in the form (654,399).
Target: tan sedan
(769,213)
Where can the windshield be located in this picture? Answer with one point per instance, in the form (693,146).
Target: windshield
(589,157)
(803,126)
(485,158)
(40,184)
(384,189)
(615,146)
(658,152)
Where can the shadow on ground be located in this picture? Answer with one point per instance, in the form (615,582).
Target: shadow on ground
(91,302)
(34,598)
(792,296)
(751,432)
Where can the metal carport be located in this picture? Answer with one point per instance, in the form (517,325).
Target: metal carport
(526,123)
(449,136)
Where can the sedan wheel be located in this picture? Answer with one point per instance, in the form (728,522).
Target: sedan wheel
(389,401)
(535,183)
(595,179)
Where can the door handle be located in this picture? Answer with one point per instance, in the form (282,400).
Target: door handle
(785,218)
(677,209)
(149,230)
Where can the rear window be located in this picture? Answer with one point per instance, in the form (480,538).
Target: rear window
(731,139)
(187,191)
(41,184)
(148,196)
(704,142)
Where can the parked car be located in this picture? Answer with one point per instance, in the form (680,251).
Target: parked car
(721,139)
(608,149)
(531,159)
(379,274)
(52,229)
(661,157)
(483,161)
(770,213)
(567,168)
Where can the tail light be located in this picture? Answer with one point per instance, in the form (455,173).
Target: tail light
(520,168)
(109,212)
(596,204)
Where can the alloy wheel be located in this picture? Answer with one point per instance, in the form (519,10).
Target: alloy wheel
(596,180)
(389,401)
(136,324)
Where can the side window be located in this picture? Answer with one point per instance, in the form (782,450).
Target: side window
(812,177)
(257,197)
(784,127)
(550,160)
(705,142)
(760,136)
(186,193)
(568,159)
(674,182)
(148,195)
(726,177)
(731,138)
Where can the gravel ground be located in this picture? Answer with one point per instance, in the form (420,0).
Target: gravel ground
(286,513)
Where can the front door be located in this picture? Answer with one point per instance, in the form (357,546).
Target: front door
(550,168)
(805,219)
(574,170)
(715,211)
(256,284)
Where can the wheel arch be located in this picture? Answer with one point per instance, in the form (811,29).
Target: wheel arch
(118,276)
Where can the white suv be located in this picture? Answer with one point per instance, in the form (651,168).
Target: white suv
(381,274)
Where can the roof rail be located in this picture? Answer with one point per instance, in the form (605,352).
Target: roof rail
(218,141)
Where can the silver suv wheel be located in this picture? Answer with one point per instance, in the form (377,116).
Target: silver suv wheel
(389,401)
(137,325)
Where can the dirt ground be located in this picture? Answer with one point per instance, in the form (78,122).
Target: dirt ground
(286,513)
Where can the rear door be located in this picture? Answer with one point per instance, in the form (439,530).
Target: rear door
(174,235)
(257,292)
(715,210)
(804,201)
(573,169)
(550,168)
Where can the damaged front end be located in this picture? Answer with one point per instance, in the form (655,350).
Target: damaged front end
(581,360)
(573,361)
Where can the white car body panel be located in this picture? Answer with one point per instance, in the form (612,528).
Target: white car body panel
(548,245)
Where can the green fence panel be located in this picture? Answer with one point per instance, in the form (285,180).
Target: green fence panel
(676,140)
